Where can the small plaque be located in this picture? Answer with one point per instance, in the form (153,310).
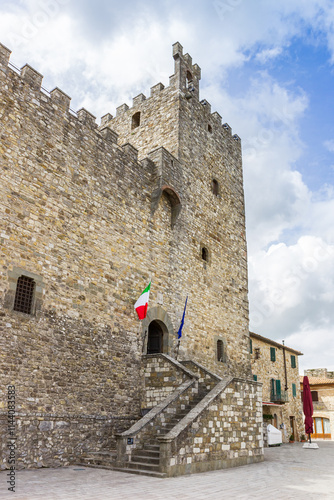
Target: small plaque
(160,298)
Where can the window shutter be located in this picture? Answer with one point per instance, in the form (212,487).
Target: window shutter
(273,354)
(314,395)
(251,346)
(272,386)
(293,361)
(255,378)
(278,387)
(294,390)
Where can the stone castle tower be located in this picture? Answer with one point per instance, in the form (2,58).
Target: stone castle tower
(91,214)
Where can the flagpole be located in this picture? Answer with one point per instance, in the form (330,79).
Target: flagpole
(144,338)
(177,349)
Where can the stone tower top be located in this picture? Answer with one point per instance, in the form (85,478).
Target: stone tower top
(186,74)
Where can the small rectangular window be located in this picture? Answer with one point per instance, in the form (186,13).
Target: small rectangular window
(314,395)
(294,390)
(273,354)
(293,361)
(255,378)
(24,294)
(251,346)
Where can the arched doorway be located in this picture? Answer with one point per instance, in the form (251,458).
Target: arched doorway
(155,338)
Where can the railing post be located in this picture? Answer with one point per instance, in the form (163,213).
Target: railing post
(122,454)
(165,456)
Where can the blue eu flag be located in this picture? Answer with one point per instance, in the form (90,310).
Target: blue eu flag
(179,333)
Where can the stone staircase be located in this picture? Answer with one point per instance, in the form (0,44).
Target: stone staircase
(142,448)
(146,460)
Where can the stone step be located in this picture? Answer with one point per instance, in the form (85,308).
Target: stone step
(141,465)
(141,472)
(147,453)
(145,459)
(152,446)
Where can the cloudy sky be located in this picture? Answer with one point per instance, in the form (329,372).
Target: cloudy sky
(267,68)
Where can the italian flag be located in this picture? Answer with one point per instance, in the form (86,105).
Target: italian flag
(142,302)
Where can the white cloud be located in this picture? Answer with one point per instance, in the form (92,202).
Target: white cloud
(329,145)
(265,55)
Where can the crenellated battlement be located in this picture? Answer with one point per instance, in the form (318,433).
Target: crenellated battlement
(186,78)
(134,119)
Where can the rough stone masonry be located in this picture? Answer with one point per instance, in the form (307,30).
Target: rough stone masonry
(89,215)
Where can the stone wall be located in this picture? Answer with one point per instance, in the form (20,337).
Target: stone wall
(226,433)
(162,375)
(54,440)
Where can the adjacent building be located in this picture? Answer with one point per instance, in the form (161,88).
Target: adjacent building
(322,390)
(276,367)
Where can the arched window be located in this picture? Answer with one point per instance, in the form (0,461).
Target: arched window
(205,254)
(135,120)
(24,295)
(215,187)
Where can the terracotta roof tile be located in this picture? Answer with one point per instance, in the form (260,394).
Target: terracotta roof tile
(318,380)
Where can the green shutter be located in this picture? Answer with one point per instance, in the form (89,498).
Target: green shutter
(272,381)
(294,390)
(273,354)
(251,346)
(278,387)
(293,361)
(255,378)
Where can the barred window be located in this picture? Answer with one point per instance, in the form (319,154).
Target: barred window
(24,294)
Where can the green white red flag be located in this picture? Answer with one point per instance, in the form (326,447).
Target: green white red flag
(142,303)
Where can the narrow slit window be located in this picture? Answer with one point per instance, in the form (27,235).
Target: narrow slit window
(215,187)
(220,351)
(24,294)
(209,129)
(135,120)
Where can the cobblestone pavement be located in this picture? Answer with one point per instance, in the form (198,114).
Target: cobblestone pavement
(288,472)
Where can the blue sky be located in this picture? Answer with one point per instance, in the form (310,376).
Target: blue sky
(268,69)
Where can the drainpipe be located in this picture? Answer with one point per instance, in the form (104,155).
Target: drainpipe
(286,378)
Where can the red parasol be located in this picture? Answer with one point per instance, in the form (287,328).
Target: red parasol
(307,407)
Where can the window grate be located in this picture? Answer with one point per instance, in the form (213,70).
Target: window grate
(24,294)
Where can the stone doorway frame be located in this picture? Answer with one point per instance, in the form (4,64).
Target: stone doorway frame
(161,316)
